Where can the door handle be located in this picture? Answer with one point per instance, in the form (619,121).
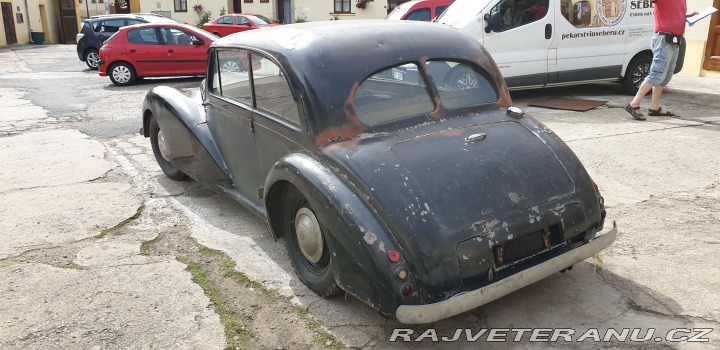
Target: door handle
(171,51)
(548,31)
(132,50)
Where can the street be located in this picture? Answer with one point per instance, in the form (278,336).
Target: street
(100,250)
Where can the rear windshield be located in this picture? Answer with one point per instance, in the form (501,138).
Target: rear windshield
(401,91)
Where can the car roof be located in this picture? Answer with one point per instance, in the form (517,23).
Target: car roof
(350,51)
(150,17)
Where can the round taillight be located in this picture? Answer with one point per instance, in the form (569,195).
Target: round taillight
(402,274)
(394,256)
(406,289)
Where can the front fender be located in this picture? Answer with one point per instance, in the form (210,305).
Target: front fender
(359,241)
(181,117)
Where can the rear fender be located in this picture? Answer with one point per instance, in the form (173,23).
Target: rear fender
(181,118)
(359,240)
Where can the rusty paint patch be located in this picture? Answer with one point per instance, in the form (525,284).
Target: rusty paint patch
(352,126)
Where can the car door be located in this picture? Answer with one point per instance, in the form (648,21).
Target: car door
(519,35)
(229,118)
(242,24)
(183,56)
(276,114)
(145,51)
(226,25)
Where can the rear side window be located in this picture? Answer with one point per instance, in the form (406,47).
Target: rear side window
(109,26)
(462,85)
(143,36)
(392,94)
(225,20)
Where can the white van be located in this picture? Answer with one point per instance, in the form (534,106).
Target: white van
(538,43)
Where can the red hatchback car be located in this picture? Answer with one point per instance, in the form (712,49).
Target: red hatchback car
(237,22)
(154,50)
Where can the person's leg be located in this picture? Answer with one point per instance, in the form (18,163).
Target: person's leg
(642,91)
(655,77)
(672,51)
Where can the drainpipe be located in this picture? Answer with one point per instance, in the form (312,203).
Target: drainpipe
(29,29)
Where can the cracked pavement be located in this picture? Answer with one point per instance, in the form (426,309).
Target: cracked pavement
(74,167)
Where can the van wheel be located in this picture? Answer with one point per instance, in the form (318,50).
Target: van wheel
(636,72)
(461,77)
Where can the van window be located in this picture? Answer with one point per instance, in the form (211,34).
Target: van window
(422,14)
(586,14)
(509,14)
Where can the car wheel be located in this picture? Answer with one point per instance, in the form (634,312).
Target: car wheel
(217,34)
(635,74)
(122,74)
(461,77)
(161,151)
(306,244)
(91,58)
(230,66)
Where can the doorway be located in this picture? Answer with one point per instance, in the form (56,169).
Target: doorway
(9,23)
(712,48)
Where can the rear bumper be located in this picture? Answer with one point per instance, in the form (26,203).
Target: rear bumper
(416,314)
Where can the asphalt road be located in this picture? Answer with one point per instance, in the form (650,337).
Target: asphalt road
(74,166)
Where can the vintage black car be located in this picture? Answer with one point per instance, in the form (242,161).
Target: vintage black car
(389,157)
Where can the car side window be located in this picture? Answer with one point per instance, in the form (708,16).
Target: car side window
(226,20)
(231,78)
(422,14)
(392,94)
(272,91)
(143,36)
(462,85)
(509,14)
(110,26)
(174,36)
(439,10)
(588,14)
(242,21)
(134,21)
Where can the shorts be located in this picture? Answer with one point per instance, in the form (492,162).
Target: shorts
(665,56)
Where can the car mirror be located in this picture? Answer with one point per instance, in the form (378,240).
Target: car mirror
(493,22)
(198,42)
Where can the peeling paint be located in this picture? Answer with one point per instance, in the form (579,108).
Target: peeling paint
(514,197)
(382,247)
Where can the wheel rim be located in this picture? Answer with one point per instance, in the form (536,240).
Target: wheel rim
(121,74)
(162,146)
(640,73)
(230,66)
(466,81)
(309,235)
(92,59)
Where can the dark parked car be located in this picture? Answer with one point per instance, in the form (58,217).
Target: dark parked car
(97,29)
(396,169)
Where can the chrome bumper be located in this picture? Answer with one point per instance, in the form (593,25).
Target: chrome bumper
(415,314)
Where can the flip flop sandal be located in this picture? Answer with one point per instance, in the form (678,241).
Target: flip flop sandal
(635,112)
(660,113)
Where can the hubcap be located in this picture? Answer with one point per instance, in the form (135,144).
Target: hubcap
(164,151)
(121,74)
(92,59)
(640,73)
(309,235)
(466,81)
(230,66)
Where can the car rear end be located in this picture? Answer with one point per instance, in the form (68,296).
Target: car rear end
(112,46)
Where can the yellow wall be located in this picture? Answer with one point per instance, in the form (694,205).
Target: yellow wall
(696,37)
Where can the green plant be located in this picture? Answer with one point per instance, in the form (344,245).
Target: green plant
(300,19)
(222,11)
(203,18)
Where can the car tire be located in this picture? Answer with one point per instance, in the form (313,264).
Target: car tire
(311,258)
(122,74)
(636,72)
(160,151)
(91,58)
(461,77)
(217,34)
